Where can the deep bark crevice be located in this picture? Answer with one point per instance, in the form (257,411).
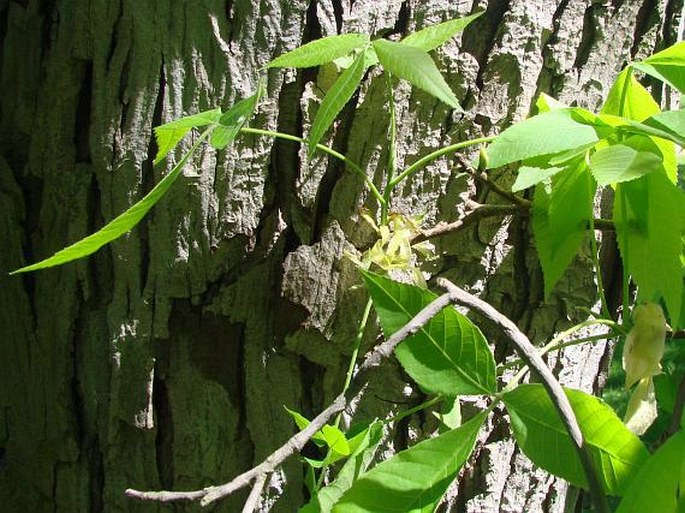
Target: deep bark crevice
(589,35)
(647,17)
(480,36)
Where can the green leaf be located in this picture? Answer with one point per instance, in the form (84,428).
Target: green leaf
(416,479)
(336,98)
(528,176)
(550,132)
(649,219)
(546,103)
(365,445)
(416,67)
(170,134)
(320,51)
(431,37)
(667,66)
(628,98)
(621,163)
(335,440)
(659,486)
(617,454)
(120,224)
(233,120)
(560,220)
(302,422)
(449,355)
(671,122)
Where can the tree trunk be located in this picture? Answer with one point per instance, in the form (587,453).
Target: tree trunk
(165,359)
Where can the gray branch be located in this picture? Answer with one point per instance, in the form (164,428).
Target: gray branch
(295,444)
(532,358)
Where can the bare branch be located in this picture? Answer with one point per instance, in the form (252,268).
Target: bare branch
(530,355)
(295,444)
(253,498)
(475,215)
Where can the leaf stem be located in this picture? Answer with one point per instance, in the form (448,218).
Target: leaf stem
(422,162)
(355,351)
(356,168)
(598,269)
(391,167)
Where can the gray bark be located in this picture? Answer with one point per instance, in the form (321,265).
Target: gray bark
(164,360)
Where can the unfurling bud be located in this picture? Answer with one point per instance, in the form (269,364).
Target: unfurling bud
(644,346)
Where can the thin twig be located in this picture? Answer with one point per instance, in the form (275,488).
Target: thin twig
(529,354)
(483,177)
(475,215)
(253,499)
(295,444)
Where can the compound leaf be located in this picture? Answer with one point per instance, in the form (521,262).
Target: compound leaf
(659,486)
(551,132)
(621,163)
(667,65)
(650,221)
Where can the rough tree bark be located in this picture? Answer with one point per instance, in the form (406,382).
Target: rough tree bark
(164,360)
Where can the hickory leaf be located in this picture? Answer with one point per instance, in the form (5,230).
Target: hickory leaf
(431,37)
(416,67)
(414,480)
(659,486)
(617,454)
(170,134)
(650,222)
(560,219)
(233,120)
(547,133)
(120,224)
(320,51)
(621,163)
(449,355)
(667,66)
(364,446)
(338,95)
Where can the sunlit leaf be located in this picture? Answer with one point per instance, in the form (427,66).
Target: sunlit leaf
(338,95)
(667,65)
(621,163)
(233,120)
(560,219)
(416,67)
(528,176)
(449,355)
(650,221)
(302,422)
(617,454)
(414,480)
(320,51)
(659,486)
(547,133)
(364,449)
(119,225)
(170,134)
(433,36)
